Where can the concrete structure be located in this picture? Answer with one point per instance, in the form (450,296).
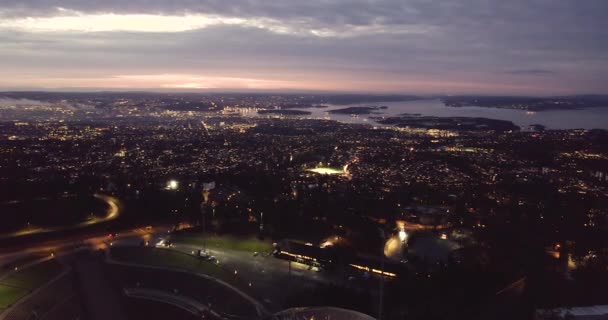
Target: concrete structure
(576,313)
(320,313)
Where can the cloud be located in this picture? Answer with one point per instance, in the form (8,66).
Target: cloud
(114,23)
(18,104)
(10,103)
(193,81)
(365,44)
(76,21)
(532,72)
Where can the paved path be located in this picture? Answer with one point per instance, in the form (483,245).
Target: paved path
(260,309)
(21,303)
(25,266)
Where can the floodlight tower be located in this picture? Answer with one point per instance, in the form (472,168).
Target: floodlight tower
(207,187)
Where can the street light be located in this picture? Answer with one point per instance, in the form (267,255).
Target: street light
(402,236)
(172,185)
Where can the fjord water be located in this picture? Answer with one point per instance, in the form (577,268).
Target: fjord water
(587,118)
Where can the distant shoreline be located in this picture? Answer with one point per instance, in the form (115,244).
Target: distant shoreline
(534,104)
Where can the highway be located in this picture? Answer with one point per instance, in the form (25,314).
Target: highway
(112,213)
(24,256)
(93,240)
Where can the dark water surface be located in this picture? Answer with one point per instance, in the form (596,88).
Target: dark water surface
(589,118)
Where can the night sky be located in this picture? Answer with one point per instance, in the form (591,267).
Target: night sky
(539,47)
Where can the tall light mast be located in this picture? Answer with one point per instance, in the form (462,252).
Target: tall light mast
(207,187)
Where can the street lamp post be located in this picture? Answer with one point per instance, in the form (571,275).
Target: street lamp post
(205,194)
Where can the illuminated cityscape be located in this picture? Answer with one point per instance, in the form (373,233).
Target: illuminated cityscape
(328,206)
(334,160)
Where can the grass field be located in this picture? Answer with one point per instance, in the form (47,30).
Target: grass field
(23,281)
(222,297)
(8,267)
(250,244)
(8,295)
(34,276)
(170,259)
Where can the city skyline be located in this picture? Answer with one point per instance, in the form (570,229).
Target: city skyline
(413,47)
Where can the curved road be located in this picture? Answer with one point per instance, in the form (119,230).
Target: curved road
(112,213)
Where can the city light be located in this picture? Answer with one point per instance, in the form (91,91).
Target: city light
(329,171)
(355,159)
(326,244)
(172,185)
(377,271)
(402,236)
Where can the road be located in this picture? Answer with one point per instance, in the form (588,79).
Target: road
(257,270)
(112,213)
(268,277)
(93,240)
(20,258)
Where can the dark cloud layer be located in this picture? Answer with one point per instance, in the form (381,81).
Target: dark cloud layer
(508,44)
(533,72)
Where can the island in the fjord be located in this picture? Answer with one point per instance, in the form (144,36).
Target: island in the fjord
(528,103)
(452,123)
(301,106)
(359,110)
